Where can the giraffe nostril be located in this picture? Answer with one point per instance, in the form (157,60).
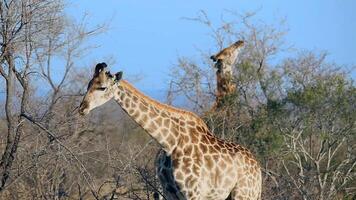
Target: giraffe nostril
(83,111)
(83,108)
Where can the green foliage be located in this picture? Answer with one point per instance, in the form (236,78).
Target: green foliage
(298,126)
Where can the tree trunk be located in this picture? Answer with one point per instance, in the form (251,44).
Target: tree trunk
(14,123)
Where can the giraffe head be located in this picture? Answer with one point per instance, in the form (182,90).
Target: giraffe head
(239,43)
(100,89)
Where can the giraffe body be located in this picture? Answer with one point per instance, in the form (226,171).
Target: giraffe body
(195,164)
(232,173)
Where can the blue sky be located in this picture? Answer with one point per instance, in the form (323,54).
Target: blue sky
(146,37)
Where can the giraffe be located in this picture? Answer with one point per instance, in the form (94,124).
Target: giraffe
(225,59)
(194,164)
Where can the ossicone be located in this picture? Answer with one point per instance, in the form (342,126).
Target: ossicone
(118,76)
(100,67)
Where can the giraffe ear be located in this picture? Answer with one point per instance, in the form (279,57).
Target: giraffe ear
(118,76)
(100,67)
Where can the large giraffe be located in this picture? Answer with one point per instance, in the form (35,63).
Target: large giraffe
(195,164)
(224,61)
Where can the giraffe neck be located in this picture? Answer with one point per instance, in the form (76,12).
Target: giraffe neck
(162,122)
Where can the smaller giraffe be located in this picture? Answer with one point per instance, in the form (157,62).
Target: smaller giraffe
(225,60)
(194,164)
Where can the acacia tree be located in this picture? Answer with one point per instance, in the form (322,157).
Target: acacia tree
(318,126)
(254,88)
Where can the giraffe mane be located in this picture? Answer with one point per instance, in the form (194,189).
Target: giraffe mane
(126,84)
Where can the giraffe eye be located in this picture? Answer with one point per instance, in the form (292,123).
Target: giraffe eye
(101,88)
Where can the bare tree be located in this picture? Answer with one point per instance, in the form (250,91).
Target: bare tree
(33,34)
(20,21)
